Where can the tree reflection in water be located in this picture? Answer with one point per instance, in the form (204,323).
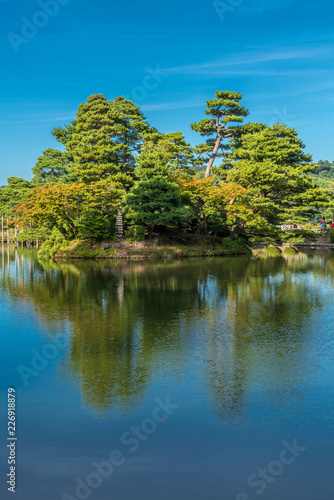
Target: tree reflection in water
(241,326)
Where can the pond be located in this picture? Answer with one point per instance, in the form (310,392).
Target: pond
(209,378)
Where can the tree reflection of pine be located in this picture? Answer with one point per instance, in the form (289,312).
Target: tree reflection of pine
(131,322)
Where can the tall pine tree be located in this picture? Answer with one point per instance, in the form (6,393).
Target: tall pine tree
(94,145)
(271,164)
(154,199)
(224,110)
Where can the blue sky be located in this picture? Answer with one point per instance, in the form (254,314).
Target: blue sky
(170,58)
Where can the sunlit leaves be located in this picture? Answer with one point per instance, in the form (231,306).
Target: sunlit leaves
(270,163)
(67,207)
(225,109)
(154,198)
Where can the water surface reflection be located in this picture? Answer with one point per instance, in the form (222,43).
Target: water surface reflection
(243,343)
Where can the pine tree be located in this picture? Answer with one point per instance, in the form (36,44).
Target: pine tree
(105,139)
(271,164)
(64,134)
(154,199)
(182,154)
(51,167)
(12,194)
(224,109)
(136,130)
(94,145)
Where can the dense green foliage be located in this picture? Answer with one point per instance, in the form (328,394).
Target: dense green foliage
(224,109)
(331,234)
(324,177)
(270,163)
(325,170)
(72,209)
(111,157)
(154,197)
(52,166)
(12,194)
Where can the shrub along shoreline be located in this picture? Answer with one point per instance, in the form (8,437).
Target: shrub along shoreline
(142,250)
(173,245)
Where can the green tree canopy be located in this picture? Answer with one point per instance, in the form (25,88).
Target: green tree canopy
(93,145)
(12,194)
(51,167)
(105,140)
(182,154)
(270,162)
(224,110)
(72,208)
(325,170)
(64,134)
(154,199)
(136,130)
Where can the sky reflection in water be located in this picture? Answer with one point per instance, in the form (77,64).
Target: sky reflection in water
(243,347)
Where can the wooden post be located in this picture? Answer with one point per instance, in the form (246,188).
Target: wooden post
(8,232)
(3,258)
(29,242)
(16,265)
(2,231)
(16,240)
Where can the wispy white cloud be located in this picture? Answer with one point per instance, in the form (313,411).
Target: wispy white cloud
(253,58)
(38,120)
(315,89)
(261,72)
(318,87)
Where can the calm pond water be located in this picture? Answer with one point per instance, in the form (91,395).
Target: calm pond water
(208,379)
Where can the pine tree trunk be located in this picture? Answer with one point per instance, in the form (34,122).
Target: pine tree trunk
(213,156)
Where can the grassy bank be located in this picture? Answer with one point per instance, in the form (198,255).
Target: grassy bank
(141,250)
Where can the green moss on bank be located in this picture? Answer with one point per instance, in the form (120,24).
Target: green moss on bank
(273,251)
(290,251)
(136,250)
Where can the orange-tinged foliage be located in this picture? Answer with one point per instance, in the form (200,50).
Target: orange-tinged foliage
(63,205)
(226,200)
